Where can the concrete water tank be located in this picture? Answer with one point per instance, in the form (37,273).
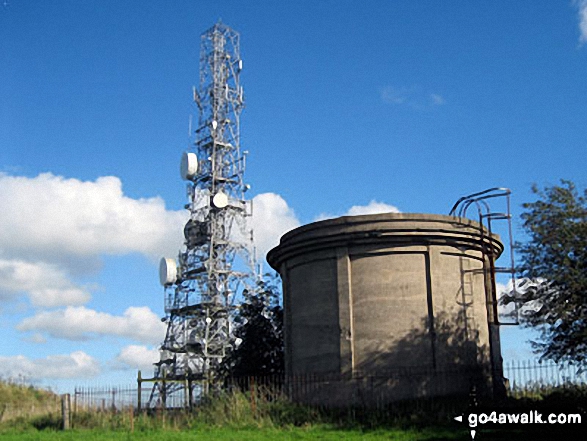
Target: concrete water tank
(403,300)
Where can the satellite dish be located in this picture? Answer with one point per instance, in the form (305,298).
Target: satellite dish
(167,271)
(220,200)
(214,125)
(189,166)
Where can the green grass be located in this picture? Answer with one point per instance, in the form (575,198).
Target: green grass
(322,433)
(250,434)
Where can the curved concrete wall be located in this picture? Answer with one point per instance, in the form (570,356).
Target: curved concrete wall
(378,295)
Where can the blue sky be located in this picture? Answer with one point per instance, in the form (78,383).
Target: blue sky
(406,104)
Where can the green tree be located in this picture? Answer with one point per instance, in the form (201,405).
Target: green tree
(553,262)
(259,329)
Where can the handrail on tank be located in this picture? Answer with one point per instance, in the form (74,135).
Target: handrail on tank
(480,200)
(478,197)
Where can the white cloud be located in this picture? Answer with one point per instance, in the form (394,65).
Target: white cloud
(46,285)
(75,365)
(393,95)
(505,311)
(138,357)
(436,99)
(272,218)
(372,207)
(522,285)
(81,323)
(56,219)
(582,8)
(413,97)
(58,227)
(37,339)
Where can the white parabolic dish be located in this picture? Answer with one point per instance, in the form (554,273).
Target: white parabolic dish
(189,166)
(220,200)
(167,271)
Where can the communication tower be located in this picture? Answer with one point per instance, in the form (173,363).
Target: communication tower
(216,264)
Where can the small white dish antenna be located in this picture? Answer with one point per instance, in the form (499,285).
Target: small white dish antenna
(189,166)
(167,272)
(220,200)
(214,124)
(164,355)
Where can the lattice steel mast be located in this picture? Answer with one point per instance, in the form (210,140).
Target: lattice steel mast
(217,261)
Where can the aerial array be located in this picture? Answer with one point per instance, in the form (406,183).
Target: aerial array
(216,264)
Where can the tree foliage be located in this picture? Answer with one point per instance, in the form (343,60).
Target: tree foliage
(554,260)
(259,330)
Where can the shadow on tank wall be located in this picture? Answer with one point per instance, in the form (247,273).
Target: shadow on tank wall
(445,361)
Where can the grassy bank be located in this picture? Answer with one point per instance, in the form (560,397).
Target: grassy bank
(19,402)
(236,416)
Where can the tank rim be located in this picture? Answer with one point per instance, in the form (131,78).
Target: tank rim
(425,229)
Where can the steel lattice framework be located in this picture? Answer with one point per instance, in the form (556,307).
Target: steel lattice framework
(216,264)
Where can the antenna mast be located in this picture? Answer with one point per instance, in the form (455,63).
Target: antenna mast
(216,264)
